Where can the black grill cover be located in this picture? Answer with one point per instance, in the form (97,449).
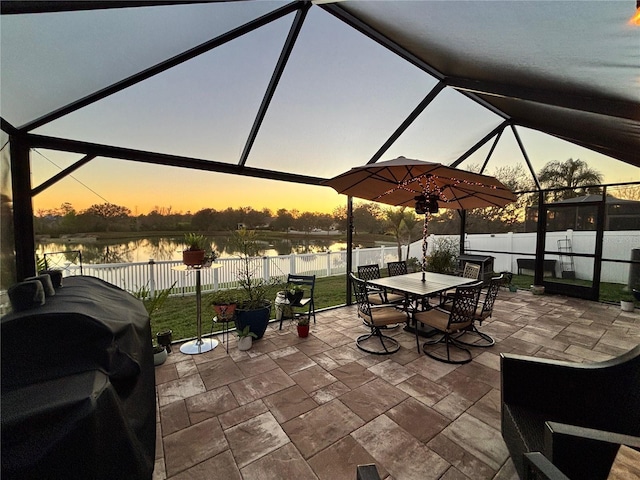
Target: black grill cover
(78,395)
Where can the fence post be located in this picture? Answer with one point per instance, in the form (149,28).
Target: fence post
(292,263)
(328,263)
(357,262)
(265,268)
(152,278)
(381,256)
(216,279)
(510,237)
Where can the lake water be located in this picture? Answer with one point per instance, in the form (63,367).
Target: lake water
(167,248)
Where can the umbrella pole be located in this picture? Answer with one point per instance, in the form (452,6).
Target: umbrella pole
(424,245)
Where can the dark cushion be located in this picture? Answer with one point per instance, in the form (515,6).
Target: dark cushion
(26,295)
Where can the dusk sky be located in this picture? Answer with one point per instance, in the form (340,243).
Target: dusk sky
(340,98)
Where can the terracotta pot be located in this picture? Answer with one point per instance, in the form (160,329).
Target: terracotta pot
(193,257)
(303,331)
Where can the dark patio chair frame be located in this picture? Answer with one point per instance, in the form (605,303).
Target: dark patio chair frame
(307,302)
(486,311)
(376,317)
(460,317)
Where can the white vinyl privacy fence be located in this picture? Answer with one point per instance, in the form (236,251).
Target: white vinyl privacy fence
(154,275)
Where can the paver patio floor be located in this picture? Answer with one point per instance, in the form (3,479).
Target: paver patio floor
(315,407)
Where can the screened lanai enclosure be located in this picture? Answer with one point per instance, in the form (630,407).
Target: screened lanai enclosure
(298,92)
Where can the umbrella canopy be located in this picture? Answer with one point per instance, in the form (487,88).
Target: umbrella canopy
(399,181)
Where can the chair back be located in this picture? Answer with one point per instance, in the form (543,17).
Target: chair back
(490,298)
(302,281)
(397,268)
(368,272)
(465,302)
(471,270)
(362,297)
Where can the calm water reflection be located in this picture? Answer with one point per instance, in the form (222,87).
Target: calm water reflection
(167,248)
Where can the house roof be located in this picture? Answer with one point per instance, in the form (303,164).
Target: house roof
(568,69)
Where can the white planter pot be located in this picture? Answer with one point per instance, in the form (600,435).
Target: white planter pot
(244,343)
(537,289)
(159,358)
(626,306)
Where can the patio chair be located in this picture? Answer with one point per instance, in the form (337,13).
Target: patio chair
(450,323)
(376,317)
(377,295)
(306,302)
(483,311)
(471,270)
(397,268)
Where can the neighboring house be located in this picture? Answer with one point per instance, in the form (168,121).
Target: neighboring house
(573,214)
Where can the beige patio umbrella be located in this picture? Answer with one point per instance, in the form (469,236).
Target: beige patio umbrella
(424,185)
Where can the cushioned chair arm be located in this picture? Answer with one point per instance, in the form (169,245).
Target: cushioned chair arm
(538,467)
(583,452)
(556,386)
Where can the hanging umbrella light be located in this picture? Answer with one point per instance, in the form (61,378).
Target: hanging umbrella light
(426,186)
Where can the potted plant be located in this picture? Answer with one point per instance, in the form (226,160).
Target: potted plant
(303,326)
(153,304)
(295,294)
(194,252)
(254,308)
(245,338)
(224,303)
(627,303)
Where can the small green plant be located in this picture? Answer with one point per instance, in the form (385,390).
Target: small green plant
(444,256)
(303,320)
(223,297)
(195,241)
(245,332)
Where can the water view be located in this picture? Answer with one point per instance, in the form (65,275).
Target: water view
(170,248)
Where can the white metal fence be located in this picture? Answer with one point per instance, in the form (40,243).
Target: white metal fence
(160,275)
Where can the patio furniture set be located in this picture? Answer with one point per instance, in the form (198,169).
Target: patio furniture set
(404,298)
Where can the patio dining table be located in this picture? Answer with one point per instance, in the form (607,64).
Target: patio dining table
(413,287)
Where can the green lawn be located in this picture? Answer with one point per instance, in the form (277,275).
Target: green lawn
(179,313)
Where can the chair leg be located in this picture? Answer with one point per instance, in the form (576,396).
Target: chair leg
(485,342)
(449,342)
(391,345)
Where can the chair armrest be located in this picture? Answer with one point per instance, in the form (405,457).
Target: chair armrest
(583,452)
(538,467)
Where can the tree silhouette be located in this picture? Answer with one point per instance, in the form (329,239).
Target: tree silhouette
(576,175)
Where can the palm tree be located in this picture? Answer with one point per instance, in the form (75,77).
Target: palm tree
(571,174)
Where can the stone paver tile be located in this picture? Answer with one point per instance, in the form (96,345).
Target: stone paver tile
(488,409)
(424,390)
(295,362)
(313,346)
(220,372)
(471,387)
(260,386)
(193,445)
(352,374)
(479,439)
(289,403)
(165,373)
(392,372)
(587,354)
(254,438)
(312,378)
(345,354)
(221,466)
(179,389)
(430,368)
(174,417)
(242,414)
(454,474)
(285,462)
(488,359)
(453,405)
(256,366)
(317,429)
(373,398)
(325,361)
(283,352)
(332,338)
(415,417)
(210,404)
(337,460)
(401,454)
(460,458)
(185,369)
(328,393)
(477,371)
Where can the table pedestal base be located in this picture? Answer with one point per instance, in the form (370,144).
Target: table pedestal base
(195,347)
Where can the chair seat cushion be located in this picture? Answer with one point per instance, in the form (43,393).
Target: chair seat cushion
(387,316)
(439,320)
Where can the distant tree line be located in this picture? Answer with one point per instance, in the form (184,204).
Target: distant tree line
(401,223)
